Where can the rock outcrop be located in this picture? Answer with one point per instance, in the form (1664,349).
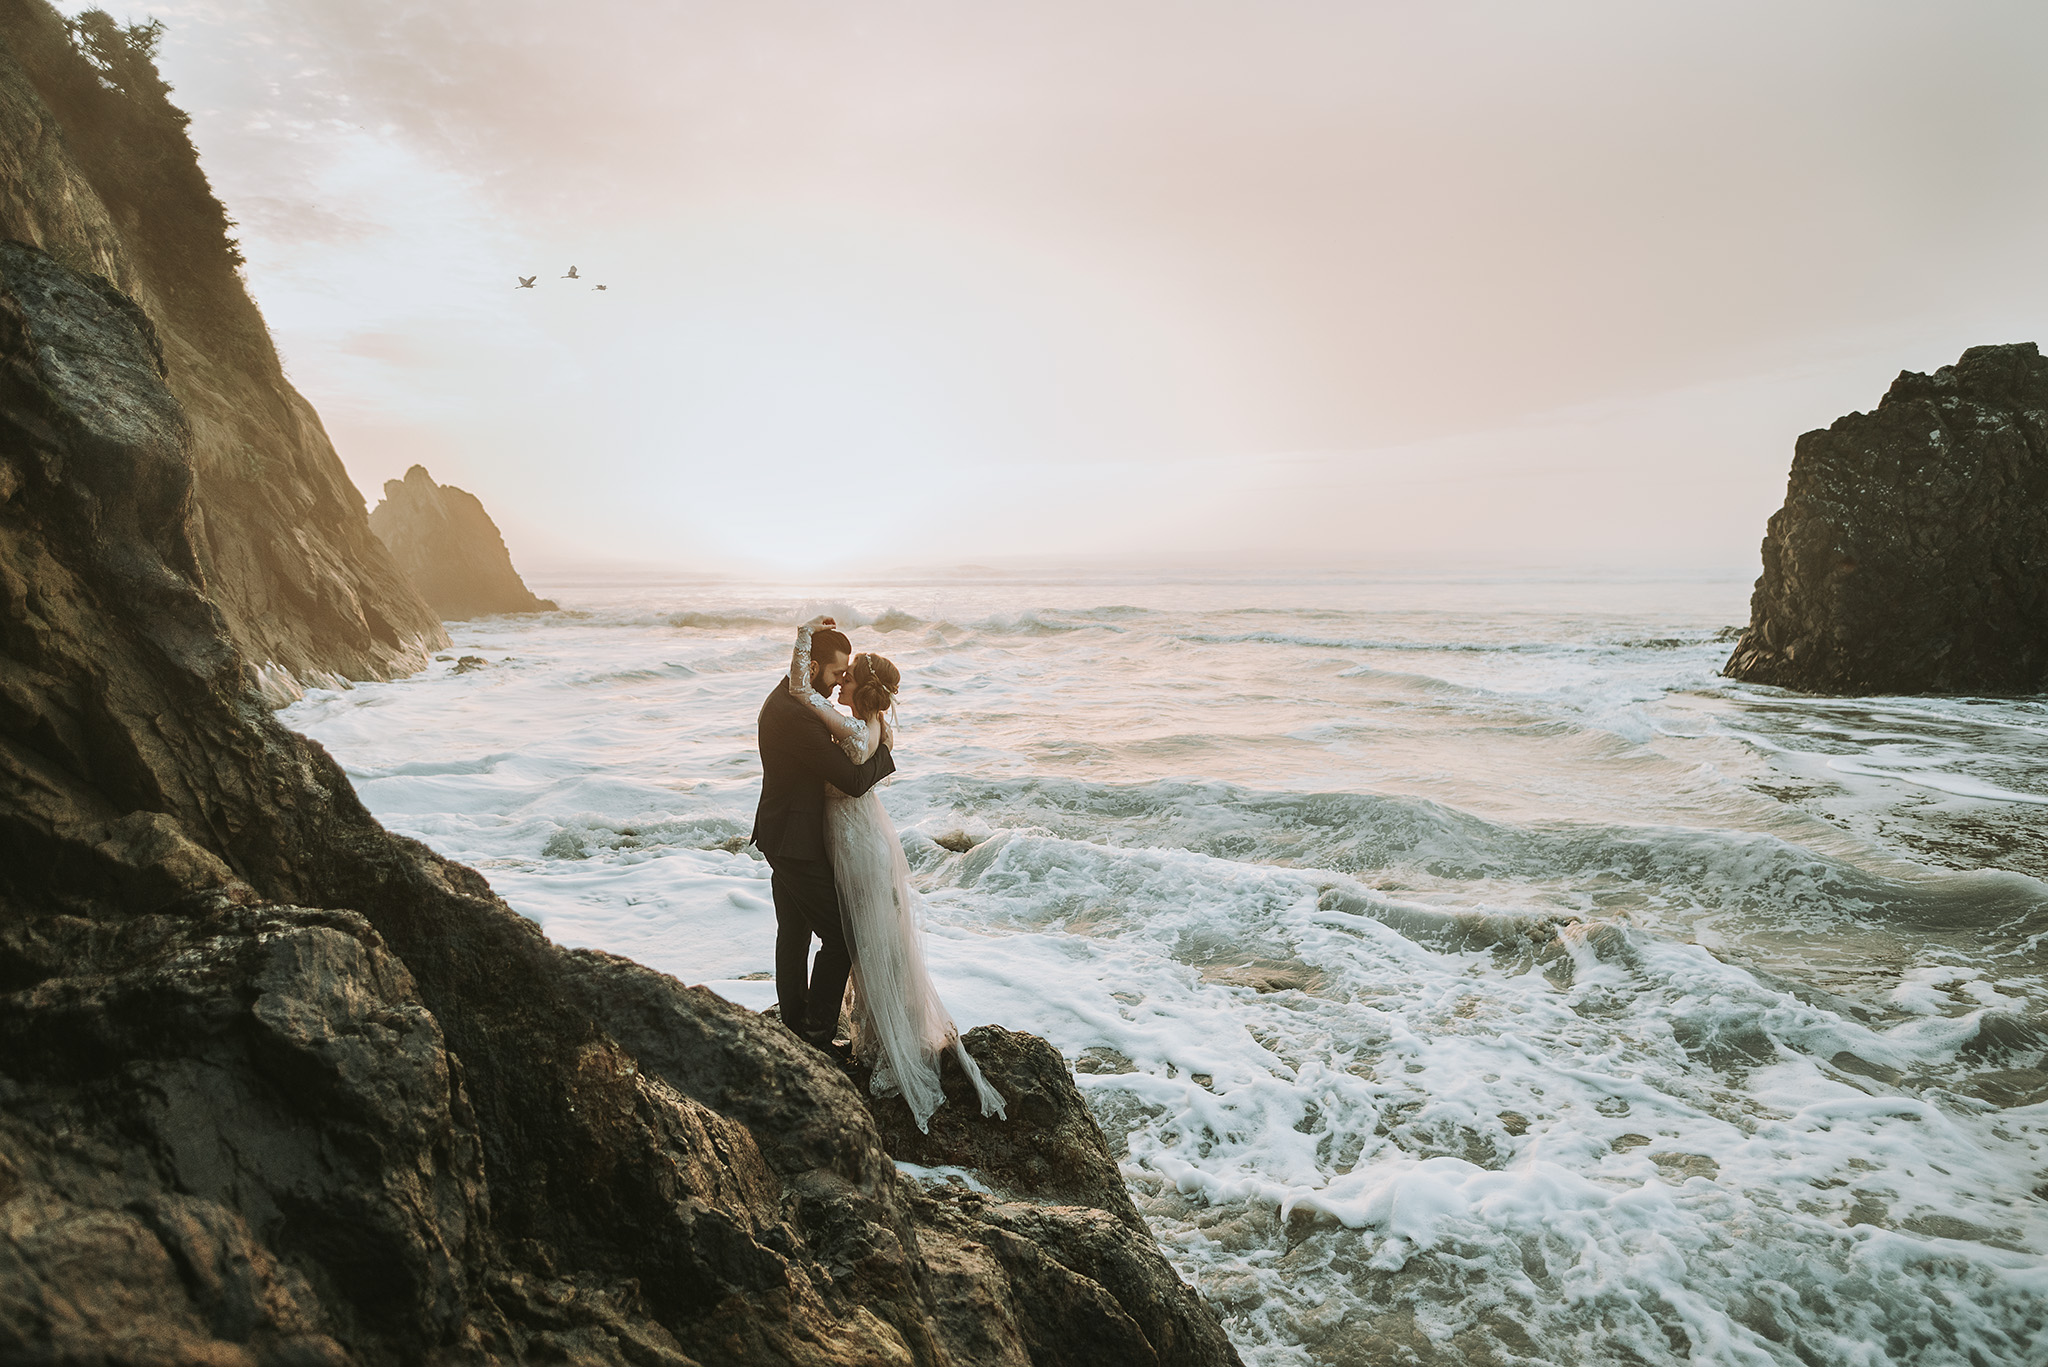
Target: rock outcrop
(1055,1147)
(1911,555)
(1075,1230)
(96,169)
(449,547)
(279,1087)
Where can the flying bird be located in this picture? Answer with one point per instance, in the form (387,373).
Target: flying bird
(597,287)
(526,281)
(571,275)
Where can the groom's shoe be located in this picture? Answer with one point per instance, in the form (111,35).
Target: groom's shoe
(839,1051)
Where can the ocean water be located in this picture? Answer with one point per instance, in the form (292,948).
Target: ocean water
(1463,970)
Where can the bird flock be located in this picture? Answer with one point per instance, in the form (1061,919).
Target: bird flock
(526,281)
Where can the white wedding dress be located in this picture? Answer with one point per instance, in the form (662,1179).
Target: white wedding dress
(900,1027)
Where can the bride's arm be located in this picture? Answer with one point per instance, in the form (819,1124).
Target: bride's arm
(800,684)
(875,732)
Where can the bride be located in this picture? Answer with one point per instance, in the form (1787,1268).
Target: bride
(900,1027)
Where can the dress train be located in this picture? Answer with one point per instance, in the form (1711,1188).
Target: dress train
(900,1027)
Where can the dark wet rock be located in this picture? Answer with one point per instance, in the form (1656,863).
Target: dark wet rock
(1102,1059)
(1949,1227)
(1850,1063)
(98,172)
(469,664)
(278,1086)
(1266,975)
(1063,1223)
(1911,555)
(450,549)
(1679,1168)
(2007,1087)
(1070,1285)
(1048,1148)
(289,1127)
(1063,1273)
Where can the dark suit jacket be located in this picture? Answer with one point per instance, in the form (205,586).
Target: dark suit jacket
(798,758)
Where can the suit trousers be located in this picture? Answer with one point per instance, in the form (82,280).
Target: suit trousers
(806,904)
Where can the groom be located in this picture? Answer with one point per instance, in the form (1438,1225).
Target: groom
(798,758)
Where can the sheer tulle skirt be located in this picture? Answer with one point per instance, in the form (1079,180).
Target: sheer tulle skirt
(900,1027)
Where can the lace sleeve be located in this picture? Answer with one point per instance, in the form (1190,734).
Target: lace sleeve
(800,666)
(867,738)
(856,745)
(800,686)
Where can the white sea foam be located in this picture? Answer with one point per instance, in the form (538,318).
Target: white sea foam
(1927,776)
(1464,973)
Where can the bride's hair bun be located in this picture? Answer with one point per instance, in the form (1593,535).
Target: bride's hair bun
(875,681)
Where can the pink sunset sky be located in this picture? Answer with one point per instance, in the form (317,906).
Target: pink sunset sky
(1189,283)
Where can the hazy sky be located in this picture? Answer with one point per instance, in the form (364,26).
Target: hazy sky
(940,282)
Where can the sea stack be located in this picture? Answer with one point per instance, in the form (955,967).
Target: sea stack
(1911,555)
(449,547)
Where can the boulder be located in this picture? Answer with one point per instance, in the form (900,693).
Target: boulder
(265,1102)
(1016,1281)
(1060,1228)
(96,169)
(1058,1268)
(278,1086)
(1911,555)
(450,549)
(1047,1147)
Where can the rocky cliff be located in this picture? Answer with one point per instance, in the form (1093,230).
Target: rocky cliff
(450,549)
(97,170)
(279,1087)
(1911,555)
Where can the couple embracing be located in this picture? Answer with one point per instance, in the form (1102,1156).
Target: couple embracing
(840,875)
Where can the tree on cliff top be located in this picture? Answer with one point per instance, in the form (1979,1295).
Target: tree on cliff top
(125,58)
(100,78)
